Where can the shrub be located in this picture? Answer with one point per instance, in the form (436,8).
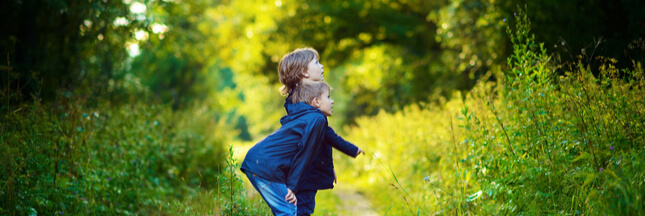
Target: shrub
(66,157)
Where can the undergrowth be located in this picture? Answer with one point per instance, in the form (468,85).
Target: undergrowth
(67,157)
(534,142)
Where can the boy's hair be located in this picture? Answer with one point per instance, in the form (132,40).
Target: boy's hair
(309,90)
(292,65)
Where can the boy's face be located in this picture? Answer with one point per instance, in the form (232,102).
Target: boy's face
(325,103)
(315,71)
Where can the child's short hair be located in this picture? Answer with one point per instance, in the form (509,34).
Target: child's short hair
(292,65)
(309,90)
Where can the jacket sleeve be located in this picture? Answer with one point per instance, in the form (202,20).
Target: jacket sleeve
(333,139)
(308,145)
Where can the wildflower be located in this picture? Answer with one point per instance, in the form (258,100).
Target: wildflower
(75,192)
(109,179)
(611,147)
(600,169)
(427,178)
(504,20)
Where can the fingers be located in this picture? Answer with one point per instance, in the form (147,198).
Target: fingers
(359,152)
(335,179)
(291,197)
(293,200)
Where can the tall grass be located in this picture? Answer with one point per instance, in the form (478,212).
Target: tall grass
(537,141)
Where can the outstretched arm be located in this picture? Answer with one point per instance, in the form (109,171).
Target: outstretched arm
(331,138)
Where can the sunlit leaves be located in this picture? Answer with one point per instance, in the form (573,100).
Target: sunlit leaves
(472,29)
(528,144)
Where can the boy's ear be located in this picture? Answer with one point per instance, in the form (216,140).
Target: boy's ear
(305,74)
(315,102)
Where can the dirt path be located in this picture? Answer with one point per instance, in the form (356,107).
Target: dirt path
(353,202)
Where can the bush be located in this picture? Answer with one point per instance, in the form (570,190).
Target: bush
(66,157)
(567,144)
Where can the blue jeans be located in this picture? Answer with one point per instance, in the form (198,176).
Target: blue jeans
(273,194)
(306,202)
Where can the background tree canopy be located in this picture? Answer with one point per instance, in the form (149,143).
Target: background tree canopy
(380,55)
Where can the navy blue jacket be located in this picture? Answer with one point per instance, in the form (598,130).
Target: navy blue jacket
(320,173)
(284,155)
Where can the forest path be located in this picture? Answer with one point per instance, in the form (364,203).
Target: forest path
(351,201)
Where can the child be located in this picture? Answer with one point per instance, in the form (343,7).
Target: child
(275,165)
(294,68)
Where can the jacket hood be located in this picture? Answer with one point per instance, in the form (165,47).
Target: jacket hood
(297,110)
(287,102)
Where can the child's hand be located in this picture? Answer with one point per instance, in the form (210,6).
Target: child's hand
(360,151)
(335,180)
(291,197)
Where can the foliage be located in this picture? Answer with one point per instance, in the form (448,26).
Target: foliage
(174,61)
(65,157)
(403,148)
(568,154)
(69,44)
(229,198)
(535,142)
(184,52)
(130,103)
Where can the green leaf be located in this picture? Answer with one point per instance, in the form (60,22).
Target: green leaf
(474,196)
